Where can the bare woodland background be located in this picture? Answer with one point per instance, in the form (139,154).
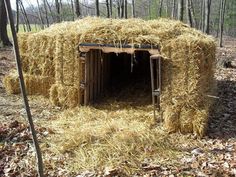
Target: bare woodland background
(209,16)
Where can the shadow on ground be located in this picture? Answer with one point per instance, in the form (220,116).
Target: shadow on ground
(222,116)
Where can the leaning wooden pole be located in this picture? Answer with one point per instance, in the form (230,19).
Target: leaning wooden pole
(23,90)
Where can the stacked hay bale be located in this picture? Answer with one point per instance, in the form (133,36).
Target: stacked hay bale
(188,62)
(37,58)
(35,84)
(65,92)
(188,79)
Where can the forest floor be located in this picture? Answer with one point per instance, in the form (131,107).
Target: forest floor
(215,154)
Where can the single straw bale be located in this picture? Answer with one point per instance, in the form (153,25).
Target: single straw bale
(186,119)
(34,68)
(77,67)
(25,62)
(46,61)
(59,59)
(39,44)
(64,96)
(23,45)
(43,44)
(186,78)
(41,55)
(42,66)
(33,55)
(33,42)
(35,85)
(68,96)
(48,67)
(200,121)
(23,48)
(69,60)
(73,97)
(66,57)
(50,49)
(54,95)
(171,117)
(11,83)
(40,85)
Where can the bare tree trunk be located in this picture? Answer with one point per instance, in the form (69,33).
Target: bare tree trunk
(218,26)
(77,9)
(50,10)
(118,8)
(111,8)
(173,9)
(108,8)
(121,8)
(72,9)
(160,8)
(202,15)
(149,9)
(25,16)
(188,16)
(17,16)
(180,10)
(40,15)
(167,8)
(4,40)
(62,15)
(97,8)
(125,9)
(58,15)
(207,16)
(46,12)
(25,26)
(221,23)
(86,8)
(192,14)
(133,9)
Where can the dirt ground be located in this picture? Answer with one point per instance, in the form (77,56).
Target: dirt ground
(217,156)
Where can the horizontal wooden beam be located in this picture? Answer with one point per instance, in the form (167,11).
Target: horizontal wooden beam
(126,48)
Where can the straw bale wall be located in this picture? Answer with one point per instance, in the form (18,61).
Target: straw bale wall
(37,58)
(35,85)
(37,52)
(187,69)
(188,79)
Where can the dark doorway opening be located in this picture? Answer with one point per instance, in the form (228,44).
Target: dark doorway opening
(129,77)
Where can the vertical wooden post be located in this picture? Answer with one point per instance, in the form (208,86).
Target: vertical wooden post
(155,62)
(99,73)
(82,77)
(95,73)
(108,69)
(102,72)
(91,74)
(87,77)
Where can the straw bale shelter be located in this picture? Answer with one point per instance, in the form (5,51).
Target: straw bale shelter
(72,63)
